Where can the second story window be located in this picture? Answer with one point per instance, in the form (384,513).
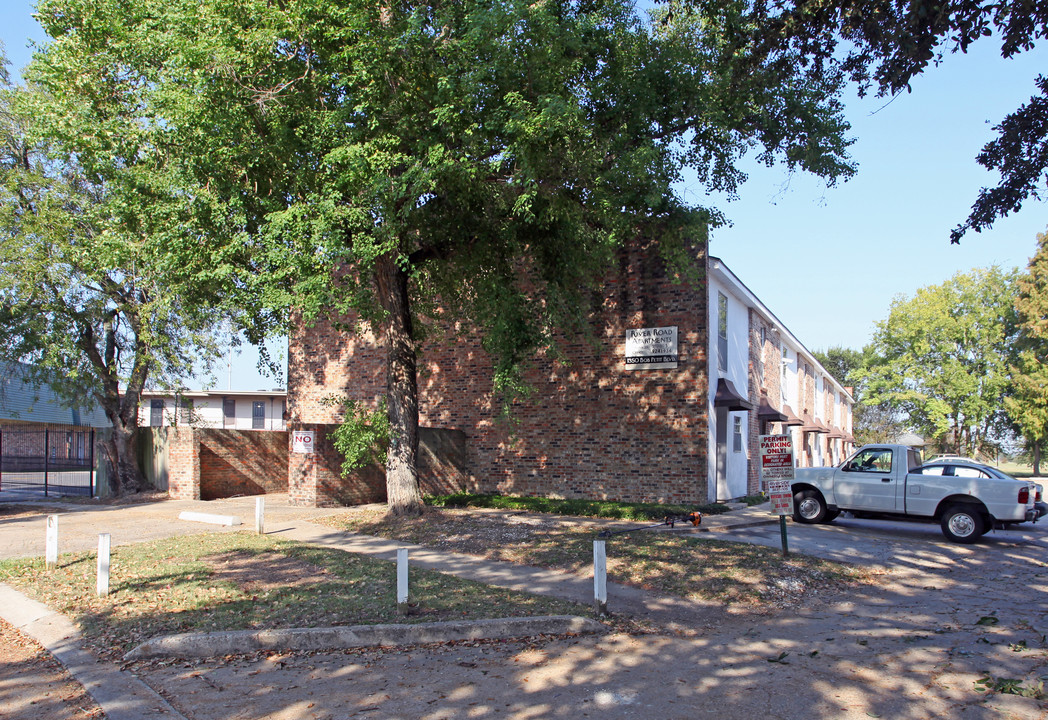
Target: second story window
(156,413)
(258,416)
(722,332)
(185,414)
(229,412)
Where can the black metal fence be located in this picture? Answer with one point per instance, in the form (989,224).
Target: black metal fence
(51,461)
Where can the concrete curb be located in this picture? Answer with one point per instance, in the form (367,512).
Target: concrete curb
(205,645)
(209,518)
(121,695)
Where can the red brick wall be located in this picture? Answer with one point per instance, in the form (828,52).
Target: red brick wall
(591,429)
(315,479)
(242,462)
(183,457)
(26,439)
(765,373)
(204,464)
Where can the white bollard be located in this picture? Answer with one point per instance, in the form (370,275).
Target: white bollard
(260,515)
(102,587)
(51,547)
(600,578)
(402,578)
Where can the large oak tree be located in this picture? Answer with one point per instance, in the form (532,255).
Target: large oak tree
(479,161)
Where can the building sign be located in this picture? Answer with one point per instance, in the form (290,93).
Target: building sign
(652,348)
(776,454)
(302,442)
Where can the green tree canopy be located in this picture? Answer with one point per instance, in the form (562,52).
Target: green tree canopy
(105,285)
(1027,404)
(940,357)
(841,362)
(871,422)
(474,160)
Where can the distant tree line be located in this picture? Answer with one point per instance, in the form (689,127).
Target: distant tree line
(961,363)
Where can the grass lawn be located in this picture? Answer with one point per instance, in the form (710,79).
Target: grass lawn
(236,581)
(673,562)
(1016,469)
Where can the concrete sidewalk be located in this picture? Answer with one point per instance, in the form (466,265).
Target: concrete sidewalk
(123,697)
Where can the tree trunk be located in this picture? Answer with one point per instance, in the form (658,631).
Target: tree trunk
(402,488)
(121,451)
(1037,459)
(121,408)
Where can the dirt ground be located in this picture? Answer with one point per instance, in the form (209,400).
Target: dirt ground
(33,685)
(954,632)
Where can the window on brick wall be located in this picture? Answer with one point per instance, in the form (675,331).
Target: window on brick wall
(784,385)
(229,412)
(722,332)
(156,413)
(185,412)
(758,365)
(258,416)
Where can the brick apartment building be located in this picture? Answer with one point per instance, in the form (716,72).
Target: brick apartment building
(665,406)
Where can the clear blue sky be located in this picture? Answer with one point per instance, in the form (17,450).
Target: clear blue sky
(828,261)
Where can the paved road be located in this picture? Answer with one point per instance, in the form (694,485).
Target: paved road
(887,542)
(80,524)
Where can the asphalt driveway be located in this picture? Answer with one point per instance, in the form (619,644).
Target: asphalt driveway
(888,542)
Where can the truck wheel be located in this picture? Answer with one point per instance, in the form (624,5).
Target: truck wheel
(961,524)
(809,507)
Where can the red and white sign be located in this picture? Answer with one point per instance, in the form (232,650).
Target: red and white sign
(776,453)
(776,457)
(302,442)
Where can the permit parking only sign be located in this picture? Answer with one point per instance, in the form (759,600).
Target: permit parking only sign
(776,457)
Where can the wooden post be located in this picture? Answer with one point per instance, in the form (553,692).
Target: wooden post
(260,515)
(600,578)
(51,547)
(102,587)
(402,579)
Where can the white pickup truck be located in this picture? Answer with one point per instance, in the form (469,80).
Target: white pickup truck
(890,481)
